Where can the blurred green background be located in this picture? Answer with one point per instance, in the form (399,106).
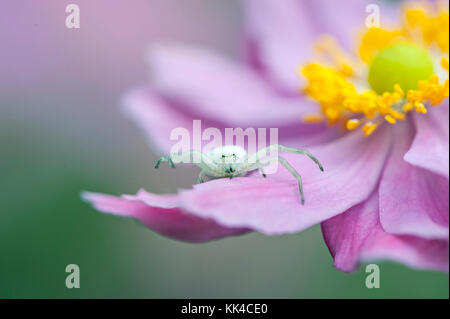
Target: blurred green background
(61,133)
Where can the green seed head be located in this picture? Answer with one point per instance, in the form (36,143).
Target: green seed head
(402,64)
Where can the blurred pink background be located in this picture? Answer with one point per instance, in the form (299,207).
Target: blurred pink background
(58,76)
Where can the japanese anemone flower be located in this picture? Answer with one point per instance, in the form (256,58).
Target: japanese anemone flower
(385,190)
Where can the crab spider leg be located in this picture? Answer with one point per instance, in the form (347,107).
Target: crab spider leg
(206,162)
(164,159)
(288,166)
(296,175)
(262,153)
(200,176)
(262,172)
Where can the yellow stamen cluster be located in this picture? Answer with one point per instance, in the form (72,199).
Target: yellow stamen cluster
(374,107)
(430,91)
(375,40)
(340,101)
(434,28)
(334,83)
(329,50)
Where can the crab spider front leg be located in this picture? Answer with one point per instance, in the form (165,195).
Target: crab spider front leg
(193,156)
(164,159)
(263,153)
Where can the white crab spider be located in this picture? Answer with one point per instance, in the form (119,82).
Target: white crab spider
(231,160)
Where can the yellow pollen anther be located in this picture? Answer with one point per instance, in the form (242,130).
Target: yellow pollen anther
(352,124)
(420,108)
(398,90)
(407,107)
(390,119)
(369,128)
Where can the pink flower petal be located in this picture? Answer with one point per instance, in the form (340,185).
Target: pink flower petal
(357,236)
(155,116)
(281,37)
(345,20)
(413,201)
(162,214)
(221,90)
(430,148)
(272,205)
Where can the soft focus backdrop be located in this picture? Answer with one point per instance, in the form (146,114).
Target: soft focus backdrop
(61,133)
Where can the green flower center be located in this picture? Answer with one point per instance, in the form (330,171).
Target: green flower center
(402,64)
